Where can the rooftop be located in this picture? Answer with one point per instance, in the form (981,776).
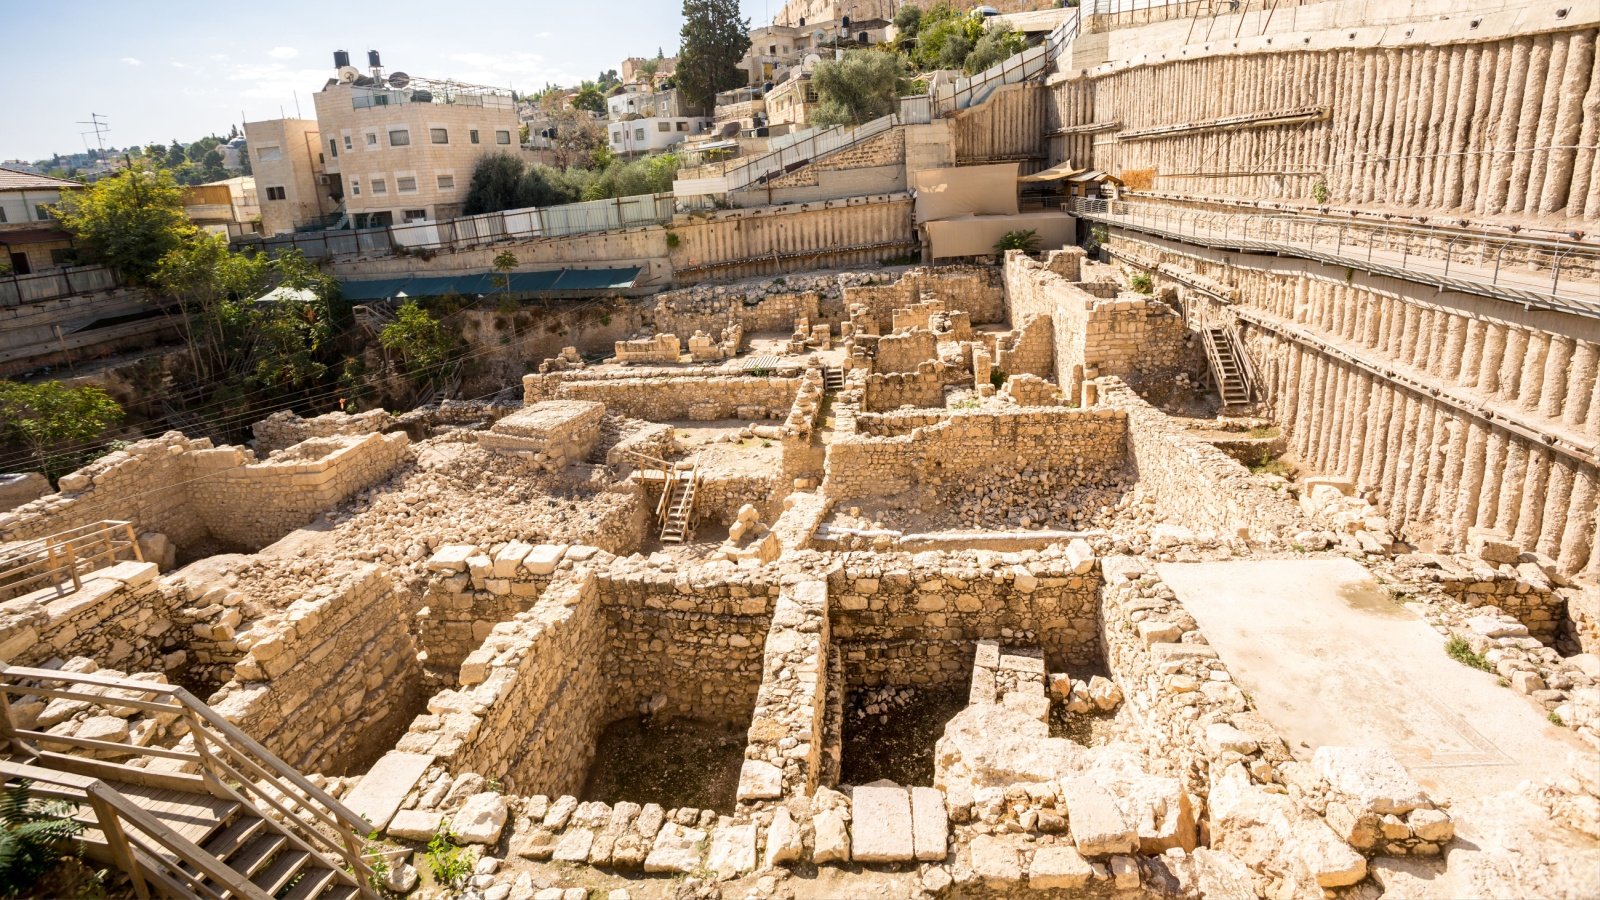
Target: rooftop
(13,180)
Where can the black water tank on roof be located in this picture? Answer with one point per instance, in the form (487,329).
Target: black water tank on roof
(372,59)
(341,58)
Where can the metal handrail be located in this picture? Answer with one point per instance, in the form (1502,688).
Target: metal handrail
(230,762)
(1232,230)
(65,556)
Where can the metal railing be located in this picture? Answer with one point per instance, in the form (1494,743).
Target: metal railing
(471,232)
(1540,274)
(16,290)
(65,557)
(1031,63)
(219,760)
(761,169)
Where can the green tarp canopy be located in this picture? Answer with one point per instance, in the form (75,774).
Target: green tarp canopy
(552,281)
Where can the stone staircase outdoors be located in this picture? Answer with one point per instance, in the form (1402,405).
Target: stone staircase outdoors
(216,815)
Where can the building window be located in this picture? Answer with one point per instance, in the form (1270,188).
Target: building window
(347,144)
(616,137)
(372,139)
(400,137)
(333,147)
(683,126)
(638,134)
(268,154)
(502,137)
(439,135)
(43,212)
(2,213)
(64,256)
(406,185)
(416,215)
(473,135)
(355,187)
(276,193)
(663,126)
(379,186)
(447,182)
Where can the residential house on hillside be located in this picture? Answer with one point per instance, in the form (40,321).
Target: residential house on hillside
(229,207)
(651,122)
(31,240)
(293,191)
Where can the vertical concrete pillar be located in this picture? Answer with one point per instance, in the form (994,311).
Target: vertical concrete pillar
(1530,383)
(1511,363)
(1422,453)
(1581,376)
(1557,513)
(1511,485)
(1577,542)
(1583,199)
(1494,351)
(1532,95)
(1471,352)
(1494,465)
(1549,104)
(1509,96)
(1535,485)
(1558,362)
(1469,484)
(1568,124)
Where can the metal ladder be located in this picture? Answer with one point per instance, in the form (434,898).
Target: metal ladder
(1227,370)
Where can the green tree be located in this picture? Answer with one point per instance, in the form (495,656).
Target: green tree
(907,20)
(52,420)
(590,98)
(945,36)
(714,40)
(861,87)
(496,185)
(1000,42)
(418,339)
(503,264)
(129,221)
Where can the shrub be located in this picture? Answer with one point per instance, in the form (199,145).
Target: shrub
(1459,650)
(31,837)
(1141,282)
(1027,241)
(448,861)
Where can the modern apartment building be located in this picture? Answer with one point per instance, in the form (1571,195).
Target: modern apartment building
(31,241)
(292,189)
(651,122)
(401,149)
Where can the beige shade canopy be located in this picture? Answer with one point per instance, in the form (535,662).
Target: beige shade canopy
(966,191)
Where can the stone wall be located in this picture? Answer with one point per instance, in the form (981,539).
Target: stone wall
(904,351)
(899,620)
(248,504)
(1029,349)
(473,589)
(1194,483)
(783,756)
(923,386)
(974,290)
(703,395)
(284,429)
(703,308)
(122,618)
(328,682)
(552,434)
(968,442)
(21,487)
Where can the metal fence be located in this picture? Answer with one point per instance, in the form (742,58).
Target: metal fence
(16,290)
(469,232)
(1031,63)
(1543,274)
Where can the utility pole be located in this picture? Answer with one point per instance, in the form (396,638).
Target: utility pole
(100,127)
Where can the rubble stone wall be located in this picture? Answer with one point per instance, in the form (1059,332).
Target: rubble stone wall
(1194,483)
(332,679)
(905,351)
(704,308)
(971,441)
(122,618)
(902,624)
(696,397)
(284,429)
(920,387)
(975,290)
(1029,349)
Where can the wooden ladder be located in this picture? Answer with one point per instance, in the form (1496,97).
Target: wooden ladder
(832,378)
(678,520)
(1227,369)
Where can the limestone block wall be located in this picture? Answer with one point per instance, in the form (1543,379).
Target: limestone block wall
(284,429)
(469,595)
(122,618)
(528,713)
(329,681)
(720,495)
(1453,411)
(974,290)
(1488,115)
(1029,349)
(145,482)
(897,621)
(969,442)
(702,395)
(251,505)
(786,728)
(904,351)
(921,386)
(1194,483)
(552,433)
(707,309)
(698,644)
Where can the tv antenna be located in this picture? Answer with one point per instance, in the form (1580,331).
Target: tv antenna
(99,127)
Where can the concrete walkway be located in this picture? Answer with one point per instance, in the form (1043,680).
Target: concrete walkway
(1329,659)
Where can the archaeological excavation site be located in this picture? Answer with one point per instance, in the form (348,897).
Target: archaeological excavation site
(1239,543)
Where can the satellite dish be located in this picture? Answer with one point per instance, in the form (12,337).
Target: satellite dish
(348,74)
(811,61)
(649,112)
(399,80)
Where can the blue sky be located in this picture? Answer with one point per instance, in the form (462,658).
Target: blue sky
(185,69)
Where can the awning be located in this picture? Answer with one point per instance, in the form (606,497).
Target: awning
(1054,173)
(966,191)
(977,235)
(547,282)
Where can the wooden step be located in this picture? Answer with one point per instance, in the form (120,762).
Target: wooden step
(312,882)
(285,866)
(234,838)
(257,853)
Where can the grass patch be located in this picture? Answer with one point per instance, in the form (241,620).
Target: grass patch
(1263,431)
(1141,283)
(1459,650)
(1555,719)
(1273,467)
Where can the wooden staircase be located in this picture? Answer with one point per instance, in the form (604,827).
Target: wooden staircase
(1229,368)
(216,816)
(677,503)
(832,378)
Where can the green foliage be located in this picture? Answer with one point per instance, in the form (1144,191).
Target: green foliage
(945,37)
(128,222)
(1459,650)
(502,181)
(673,240)
(590,98)
(51,419)
(418,339)
(1319,192)
(1267,464)
(1556,720)
(908,19)
(1141,282)
(715,38)
(997,44)
(503,264)
(863,86)
(1263,431)
(448,861)
(31,835)
(1025,240)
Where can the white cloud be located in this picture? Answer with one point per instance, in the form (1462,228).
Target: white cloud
(179,65)
(543,34)
(132,62)
(283,53)
(519,69)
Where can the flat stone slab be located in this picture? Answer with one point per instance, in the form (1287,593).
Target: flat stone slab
(930,826)
(1372,775)
(881,825)
(379,793)
(677,850)
(1098,827)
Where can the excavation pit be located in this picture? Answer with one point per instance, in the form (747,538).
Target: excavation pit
(676,762)
(890,732)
